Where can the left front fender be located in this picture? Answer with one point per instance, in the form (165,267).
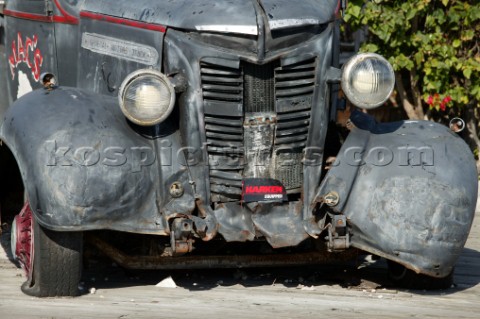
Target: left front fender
(409,191)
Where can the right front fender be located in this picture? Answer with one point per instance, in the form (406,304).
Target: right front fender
(85,167)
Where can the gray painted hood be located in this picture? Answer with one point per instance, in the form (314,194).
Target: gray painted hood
(235,16)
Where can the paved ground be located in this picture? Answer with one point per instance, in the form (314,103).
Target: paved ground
(336,292)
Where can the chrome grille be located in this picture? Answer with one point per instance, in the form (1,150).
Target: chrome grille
(294,88)
(222,89)
(229,93)
(221,84)
(295,80)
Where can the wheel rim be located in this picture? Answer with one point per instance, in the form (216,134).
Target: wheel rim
(22,239)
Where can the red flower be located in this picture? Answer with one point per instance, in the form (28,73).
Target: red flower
(435,101)
(430,100)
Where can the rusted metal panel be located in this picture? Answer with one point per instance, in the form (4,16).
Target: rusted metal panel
(113,173)
(237,16)
(217,262)
(281,14)
(408,190)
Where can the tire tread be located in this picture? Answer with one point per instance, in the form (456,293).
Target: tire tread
(57,263)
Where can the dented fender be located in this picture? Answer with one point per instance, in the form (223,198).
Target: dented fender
(409,191)
(85,167)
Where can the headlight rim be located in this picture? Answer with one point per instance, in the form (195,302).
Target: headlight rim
(129,79)
(346,74)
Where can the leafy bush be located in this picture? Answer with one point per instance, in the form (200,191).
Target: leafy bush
(433,45)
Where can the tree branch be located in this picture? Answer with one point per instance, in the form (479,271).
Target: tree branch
(416,95)
(407,105)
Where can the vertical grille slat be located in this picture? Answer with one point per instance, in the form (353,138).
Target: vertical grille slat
(285,76)
(294,87)
(295,83)
(220,83)
(296,79)
(294,91)
(220,122)
(229,93)
(222,89)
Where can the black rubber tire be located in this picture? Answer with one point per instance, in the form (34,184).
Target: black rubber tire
(57,263)
(406,278)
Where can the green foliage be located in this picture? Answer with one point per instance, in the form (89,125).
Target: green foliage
(435,42)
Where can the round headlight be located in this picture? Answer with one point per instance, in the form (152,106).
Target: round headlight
(368,80)
(146,97)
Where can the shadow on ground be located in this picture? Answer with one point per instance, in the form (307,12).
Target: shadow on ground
(362,274)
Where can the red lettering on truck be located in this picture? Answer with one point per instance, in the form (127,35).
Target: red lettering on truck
(26,52)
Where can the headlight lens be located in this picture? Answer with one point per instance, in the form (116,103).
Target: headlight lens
(368,80)
(146,97)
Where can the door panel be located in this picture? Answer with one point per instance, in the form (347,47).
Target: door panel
(29,45)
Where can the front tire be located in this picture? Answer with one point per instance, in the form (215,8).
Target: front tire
(406,278)
(55,264)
